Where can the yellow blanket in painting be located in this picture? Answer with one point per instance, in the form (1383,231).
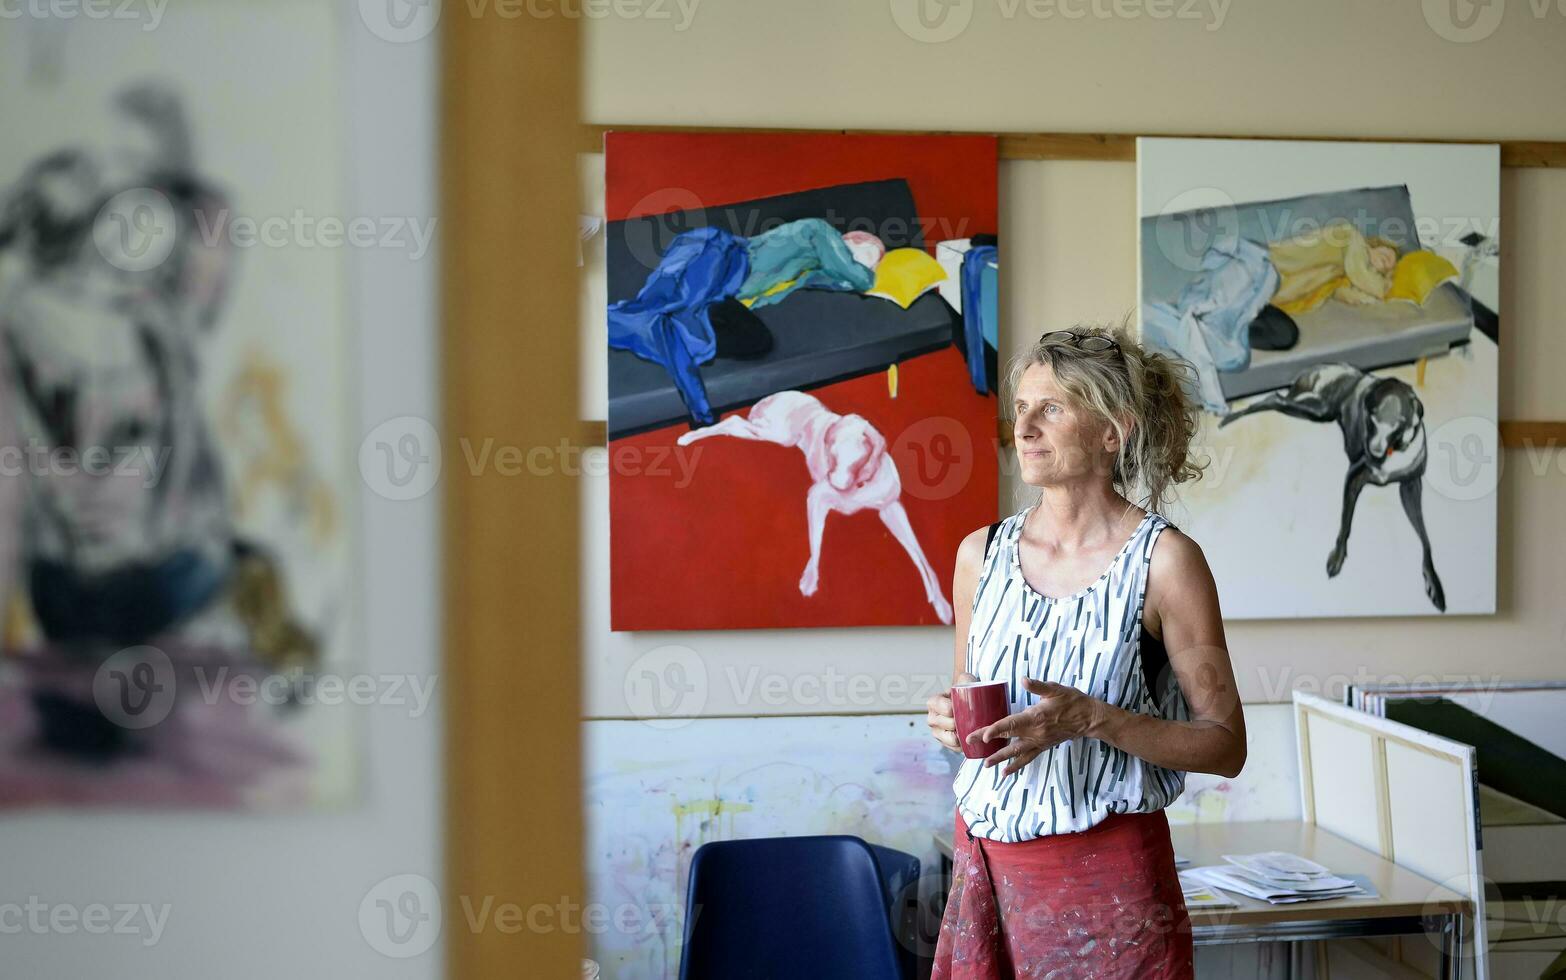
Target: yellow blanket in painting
(1338,262)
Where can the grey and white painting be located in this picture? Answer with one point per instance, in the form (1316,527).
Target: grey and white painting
(1339,305)
(175,521)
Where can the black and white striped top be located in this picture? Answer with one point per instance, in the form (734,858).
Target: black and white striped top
(1092,640)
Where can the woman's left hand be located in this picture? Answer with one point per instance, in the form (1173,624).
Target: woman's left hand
(1061,713)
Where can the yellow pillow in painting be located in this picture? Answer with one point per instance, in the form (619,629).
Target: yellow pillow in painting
(905,274)
(1418,274)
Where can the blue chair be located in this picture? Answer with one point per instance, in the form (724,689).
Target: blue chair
(826,908)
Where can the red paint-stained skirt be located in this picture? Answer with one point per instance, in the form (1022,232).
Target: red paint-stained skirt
(1102,903)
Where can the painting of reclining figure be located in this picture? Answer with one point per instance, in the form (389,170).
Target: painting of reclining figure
(176,506)
(1338,303)
(802,337)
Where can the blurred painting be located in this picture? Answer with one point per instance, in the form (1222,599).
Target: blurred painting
(1338,304)
(176,491)
(801,378)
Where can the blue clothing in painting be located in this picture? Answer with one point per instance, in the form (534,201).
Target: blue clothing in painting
(667,321)
(1209,322)
(126,605)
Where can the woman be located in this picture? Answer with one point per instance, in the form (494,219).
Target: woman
(1119,682)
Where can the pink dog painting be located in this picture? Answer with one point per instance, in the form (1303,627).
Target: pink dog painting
(850,471)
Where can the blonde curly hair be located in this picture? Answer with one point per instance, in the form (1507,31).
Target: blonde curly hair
(1132,382)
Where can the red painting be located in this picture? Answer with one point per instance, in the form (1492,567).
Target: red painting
(802,376)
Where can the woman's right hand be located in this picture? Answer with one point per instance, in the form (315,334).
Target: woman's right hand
(940,716)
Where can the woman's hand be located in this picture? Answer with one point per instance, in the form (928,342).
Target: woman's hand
(940,716)
(1061,713)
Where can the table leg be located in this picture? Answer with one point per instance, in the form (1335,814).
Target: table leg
(1458,922)
(1452,948)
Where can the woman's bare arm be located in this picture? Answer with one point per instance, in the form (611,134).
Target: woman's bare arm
(1180,607)
(965,579)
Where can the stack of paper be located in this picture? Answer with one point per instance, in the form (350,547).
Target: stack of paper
(1276,877)
(1199,896)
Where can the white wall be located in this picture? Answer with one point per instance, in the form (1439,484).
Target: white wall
(278,896)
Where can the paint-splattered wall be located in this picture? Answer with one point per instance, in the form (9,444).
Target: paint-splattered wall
(657,791)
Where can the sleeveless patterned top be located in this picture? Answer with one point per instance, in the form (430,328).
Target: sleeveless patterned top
(1093,641)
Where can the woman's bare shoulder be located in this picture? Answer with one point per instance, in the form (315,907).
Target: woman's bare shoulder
(1178,577)
(970,554)
(1176,554)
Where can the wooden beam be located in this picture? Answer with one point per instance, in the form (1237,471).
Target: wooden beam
(1514,435)
(511,644)
(1533,435)
(1112,147)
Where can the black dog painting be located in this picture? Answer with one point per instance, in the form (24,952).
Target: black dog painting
(1383,425)
(1354,285)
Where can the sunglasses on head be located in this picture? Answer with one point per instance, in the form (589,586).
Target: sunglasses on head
(1081,341)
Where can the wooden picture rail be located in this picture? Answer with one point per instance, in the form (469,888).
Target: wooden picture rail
(1120,147)
(1514,435)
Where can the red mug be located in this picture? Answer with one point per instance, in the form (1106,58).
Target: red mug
(976,706)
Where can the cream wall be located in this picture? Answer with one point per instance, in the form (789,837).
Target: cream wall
(1068,236)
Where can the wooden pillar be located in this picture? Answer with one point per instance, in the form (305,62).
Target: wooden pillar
(510,373)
